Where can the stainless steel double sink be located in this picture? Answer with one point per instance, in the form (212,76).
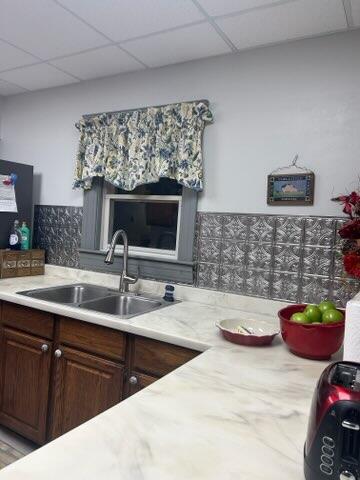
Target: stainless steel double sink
(98,299)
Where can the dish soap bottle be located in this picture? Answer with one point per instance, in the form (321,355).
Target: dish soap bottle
(15,237)
(25,236)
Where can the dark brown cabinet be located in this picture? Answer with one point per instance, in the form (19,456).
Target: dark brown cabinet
(137,381)
(24,387)
(56,372)
(150,360)
(84,385)
(157,358)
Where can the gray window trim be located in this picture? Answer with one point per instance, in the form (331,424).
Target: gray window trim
(92,213)
(176,270)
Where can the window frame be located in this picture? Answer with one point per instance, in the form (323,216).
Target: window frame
(180,270)
(133,250)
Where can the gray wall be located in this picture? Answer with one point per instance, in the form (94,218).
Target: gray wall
(1,115)
(269,103)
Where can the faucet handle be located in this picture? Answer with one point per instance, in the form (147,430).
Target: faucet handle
(131,279)
(136,276)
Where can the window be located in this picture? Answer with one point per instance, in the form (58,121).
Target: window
(150,215)
(154,216)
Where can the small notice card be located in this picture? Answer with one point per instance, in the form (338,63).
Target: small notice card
(7,196)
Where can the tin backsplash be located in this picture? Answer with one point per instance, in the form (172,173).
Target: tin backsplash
(58,231)
(291,258)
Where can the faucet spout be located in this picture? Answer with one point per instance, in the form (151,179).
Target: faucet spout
(109,259)
(125,278)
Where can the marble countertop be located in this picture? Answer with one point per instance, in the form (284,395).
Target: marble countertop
(232,412)
(189,323)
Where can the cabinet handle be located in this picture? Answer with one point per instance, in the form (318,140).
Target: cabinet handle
(133,380)
(44,347)
(58,353)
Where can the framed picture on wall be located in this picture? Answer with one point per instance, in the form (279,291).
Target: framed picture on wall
(291,189)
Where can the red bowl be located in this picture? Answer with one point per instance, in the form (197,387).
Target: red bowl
(262,333)
(317,342)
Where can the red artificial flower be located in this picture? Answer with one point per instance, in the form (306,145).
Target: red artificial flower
(351,229)
(352,264)
(351,203)
(354,198)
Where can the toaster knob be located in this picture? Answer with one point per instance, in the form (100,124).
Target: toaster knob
(346,475)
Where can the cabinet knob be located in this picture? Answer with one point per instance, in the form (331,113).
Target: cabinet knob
(58,353)
(133,380)
(44,347)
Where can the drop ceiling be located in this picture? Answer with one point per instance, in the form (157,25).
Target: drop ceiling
(48,43)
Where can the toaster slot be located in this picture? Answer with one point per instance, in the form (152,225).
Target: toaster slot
(345,375)
(351,437)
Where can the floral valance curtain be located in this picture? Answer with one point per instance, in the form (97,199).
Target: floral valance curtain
(132,148)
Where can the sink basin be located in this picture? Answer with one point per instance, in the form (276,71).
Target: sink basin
(123,305)
(98,299)
(69,294)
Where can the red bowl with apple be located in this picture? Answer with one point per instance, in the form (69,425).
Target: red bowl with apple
(316,341)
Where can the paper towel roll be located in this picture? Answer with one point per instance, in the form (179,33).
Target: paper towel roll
(352,330)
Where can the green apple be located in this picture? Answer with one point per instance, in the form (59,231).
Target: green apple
(332,316)
(326,305)
(299,317)
(313,313)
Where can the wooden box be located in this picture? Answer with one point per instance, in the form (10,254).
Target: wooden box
(8,265)
(37,262)
(21,263)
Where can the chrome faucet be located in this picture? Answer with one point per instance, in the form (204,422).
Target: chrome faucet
(125,278)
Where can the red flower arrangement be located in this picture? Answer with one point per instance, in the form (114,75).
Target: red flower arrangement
(351,232)
(352,264)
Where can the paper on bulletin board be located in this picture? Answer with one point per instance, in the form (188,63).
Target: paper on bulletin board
(7,196)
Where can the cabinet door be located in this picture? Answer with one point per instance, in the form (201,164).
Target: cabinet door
(24,386)
(137,381)
(84,386)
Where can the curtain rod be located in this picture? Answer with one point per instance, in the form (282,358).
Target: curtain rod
(89,115)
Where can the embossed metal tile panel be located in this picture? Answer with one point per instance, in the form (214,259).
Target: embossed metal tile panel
(291,258)
(57,229)
(287,258)
(289,230)
(285,284)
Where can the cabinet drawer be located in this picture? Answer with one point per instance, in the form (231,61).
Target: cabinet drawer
(158,358)
(28,319)
(138,381)
(92,338)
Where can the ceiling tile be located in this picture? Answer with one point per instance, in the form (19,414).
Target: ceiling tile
(98,63)
(37,77)
(11,57)
(224,7)
(124,19)
(284,22)
(355,9)
(45,29)
(9,89)
(177,46)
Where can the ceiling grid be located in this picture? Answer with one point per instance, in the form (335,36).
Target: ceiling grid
(110,37)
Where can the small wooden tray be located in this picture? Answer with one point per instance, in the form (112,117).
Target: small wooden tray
(21,263)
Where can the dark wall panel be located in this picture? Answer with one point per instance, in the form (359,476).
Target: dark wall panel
(24,198)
